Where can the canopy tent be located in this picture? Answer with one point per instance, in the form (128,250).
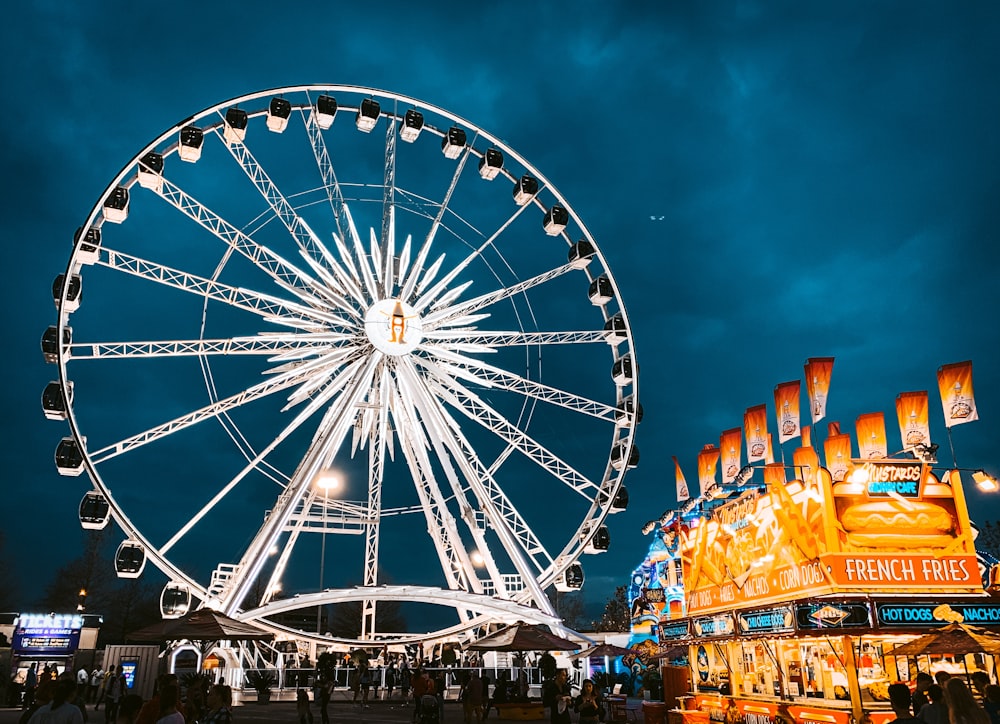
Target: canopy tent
(201,625)
(523,637)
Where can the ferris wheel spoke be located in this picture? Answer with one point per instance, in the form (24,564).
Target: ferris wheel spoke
(388,181)
(296,344)
(304,236)
(334,192)
(273,309)
(330,435)
(428,299)
(418,278)
(454,559)
(287,275)
(283,381)
(459,313)
(494,377)
(485,341)
(480,412)
(519,541)
(253,464)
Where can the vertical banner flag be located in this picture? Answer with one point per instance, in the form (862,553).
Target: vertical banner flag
(770,449)
(838,456)
(871,436)
(682,486)
(818,371)
(911,410)
(806,463)
(731,449)
(955,383)
(786,400)
(755,429)
(707,460)
(774,474)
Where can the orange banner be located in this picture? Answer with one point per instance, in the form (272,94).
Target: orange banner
(911,411)
(707,460)
(957,399)
(755,430)
(786,401)
(682,488)
(818,370)
(838,456)
(730,448)
(871,436)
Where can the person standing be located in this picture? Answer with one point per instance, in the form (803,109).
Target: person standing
(60,710)
(302,708)
(559,699)
(588,704)
(30,684)
(93,684)
(934,711)
(900,701)
(169,698)
(113,692)
(220,700)
(487,701)
(962,705)
(323,692)
(472,698)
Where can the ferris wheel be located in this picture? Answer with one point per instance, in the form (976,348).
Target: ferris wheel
(342,346)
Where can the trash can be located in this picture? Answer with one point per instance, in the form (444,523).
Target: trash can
(654,712)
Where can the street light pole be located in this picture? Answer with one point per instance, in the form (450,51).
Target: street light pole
(327,482)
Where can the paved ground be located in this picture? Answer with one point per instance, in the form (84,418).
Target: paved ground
(284,711)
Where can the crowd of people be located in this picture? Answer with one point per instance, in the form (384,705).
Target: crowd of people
(946,699)
(64,699)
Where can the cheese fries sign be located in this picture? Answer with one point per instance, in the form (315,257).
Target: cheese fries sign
(891,526)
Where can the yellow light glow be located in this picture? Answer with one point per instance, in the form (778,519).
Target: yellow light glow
(477,558)
(328,481)
(984,482)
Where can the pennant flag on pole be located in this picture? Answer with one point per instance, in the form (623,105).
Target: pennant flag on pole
(838,456)
(786,400)
(912,413)
(755,429)
(682,486)
(871,436)
(707,460)
(731,449)
(955,383)
(770,449)
(774,474)
(832,428)
(818,371)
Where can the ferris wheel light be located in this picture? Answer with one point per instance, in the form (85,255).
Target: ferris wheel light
(328,482)
(477,558)
(273,550)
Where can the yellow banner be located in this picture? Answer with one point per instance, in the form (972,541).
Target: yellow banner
(707,460)
(730,448)
(911,411)
(818,371)
(871,436)
(837,449)
(755,430)
(955,384)
(682,488)
(786,401)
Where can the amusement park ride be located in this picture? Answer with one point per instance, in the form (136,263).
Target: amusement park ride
(243,339)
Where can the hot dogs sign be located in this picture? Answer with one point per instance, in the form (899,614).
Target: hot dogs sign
(893,526)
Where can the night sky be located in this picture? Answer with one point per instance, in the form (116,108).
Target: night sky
(768,182)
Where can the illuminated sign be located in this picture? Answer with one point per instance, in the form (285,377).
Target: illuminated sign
(893,478)
(767,620)
(51,635)
(841,614)
(128,671)
(673,630)
(907,615)
(708,626)
(655,595)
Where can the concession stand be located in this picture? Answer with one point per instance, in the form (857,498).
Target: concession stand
(797,587)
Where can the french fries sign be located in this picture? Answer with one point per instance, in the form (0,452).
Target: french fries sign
(897,528)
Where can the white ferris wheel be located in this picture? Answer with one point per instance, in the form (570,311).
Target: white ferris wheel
(339,345)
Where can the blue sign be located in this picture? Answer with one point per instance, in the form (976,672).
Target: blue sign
(908,615)
(709,626)
(673,630)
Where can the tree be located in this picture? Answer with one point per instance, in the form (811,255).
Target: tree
(988,540)
(135,604)
(616,616)
(91,571)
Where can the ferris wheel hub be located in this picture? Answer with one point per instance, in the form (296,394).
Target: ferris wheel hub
(394,327)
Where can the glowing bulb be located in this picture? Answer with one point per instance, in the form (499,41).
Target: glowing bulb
(477,558)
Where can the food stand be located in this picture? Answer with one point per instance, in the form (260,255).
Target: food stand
(796,589)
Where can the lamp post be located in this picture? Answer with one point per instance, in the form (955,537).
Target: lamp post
(327,482)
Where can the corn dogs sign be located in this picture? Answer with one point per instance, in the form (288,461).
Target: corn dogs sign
(896,528)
